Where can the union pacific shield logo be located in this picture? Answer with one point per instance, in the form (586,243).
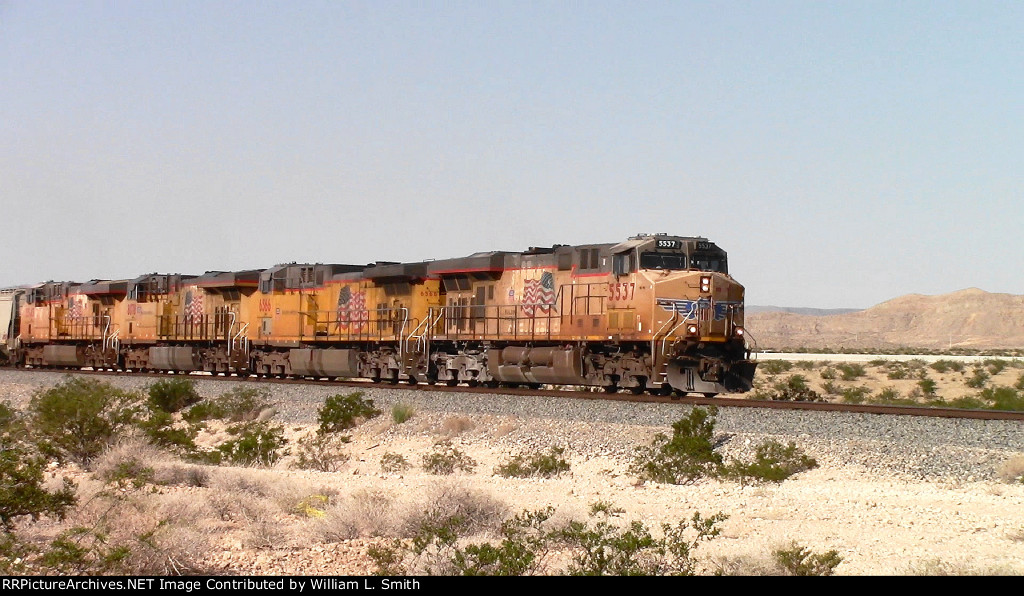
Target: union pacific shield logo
(690,309)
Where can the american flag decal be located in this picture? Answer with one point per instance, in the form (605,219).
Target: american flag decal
(539,294)
(193,305)
(352,310)
(76,307)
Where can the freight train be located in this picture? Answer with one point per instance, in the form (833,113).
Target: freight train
(655,313)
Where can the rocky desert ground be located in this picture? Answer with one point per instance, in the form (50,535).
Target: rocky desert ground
(889,496)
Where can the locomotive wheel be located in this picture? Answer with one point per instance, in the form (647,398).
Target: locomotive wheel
(452,382)
(710,395)
(611,388)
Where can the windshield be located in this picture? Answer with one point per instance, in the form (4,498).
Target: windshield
(662,260)
(709,262)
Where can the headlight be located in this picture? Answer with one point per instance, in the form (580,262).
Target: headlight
(691,329)
(705,283)
(739,331)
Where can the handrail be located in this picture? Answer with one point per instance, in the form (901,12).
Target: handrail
(243,340)
(654,338)
(228,333)
(103,335)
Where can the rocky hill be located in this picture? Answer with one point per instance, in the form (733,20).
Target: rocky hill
(970,318)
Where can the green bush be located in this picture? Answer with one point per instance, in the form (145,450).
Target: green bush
(172,395)
(994,366)
(774,367)
(79,418)
(795,388)
(446,459)
(322,452)
(341,412)
(855,395)
(1002,398)
(241,404)
(602,548)
(401,413)
(773,462)
(22,491)
(685,457)
(850,372)
(978,379)
(162,430)
(544,465)
(596,547)
(1019,385)
(927,386)
(256,443)
(801,561)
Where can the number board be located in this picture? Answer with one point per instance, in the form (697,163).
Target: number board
(668,244)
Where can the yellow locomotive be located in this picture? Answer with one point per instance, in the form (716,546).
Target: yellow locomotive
(655,312)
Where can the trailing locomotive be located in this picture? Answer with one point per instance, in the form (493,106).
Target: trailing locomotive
(657,313)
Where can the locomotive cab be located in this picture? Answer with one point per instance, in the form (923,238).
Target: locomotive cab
(696,321)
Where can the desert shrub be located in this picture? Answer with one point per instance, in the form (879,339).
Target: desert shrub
(855,395)
(474,510)
(994,366)
(22,487)
(685,457)
(828,373)
(795,388)
(773,462)
(603,548)
(321,452)
(78,418)
(1002,398)
(255,443)
(1012,470)
(944,366)
(794,559)
(1019,385)
(968,402)
(130,473)
(172,395)
(545,465)
(774,367)
(394,463)
(596,546)
(446,459)
(241,404)
(927,386)
(978,378)
(341,412)
(831,388)
(456,425)
(849,371)
(887,395)
(401,412)
(162,430)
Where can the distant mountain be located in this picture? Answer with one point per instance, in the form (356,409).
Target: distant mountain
(970,318)
(796,310)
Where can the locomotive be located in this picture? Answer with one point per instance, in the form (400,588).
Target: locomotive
(657,313)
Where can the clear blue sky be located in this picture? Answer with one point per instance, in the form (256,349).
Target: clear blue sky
(843,152)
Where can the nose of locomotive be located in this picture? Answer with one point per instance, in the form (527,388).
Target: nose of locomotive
(709,305)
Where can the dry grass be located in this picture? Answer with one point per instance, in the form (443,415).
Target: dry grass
(1012,470)
(457,425)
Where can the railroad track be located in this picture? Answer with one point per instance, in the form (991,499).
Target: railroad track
(890,410)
